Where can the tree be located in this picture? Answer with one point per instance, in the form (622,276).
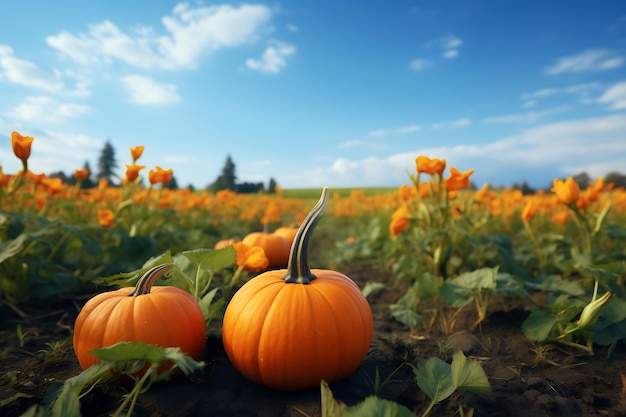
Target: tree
(227,179)
(271,186)
(107,163)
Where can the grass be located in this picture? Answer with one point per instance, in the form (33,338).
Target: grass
(314,193)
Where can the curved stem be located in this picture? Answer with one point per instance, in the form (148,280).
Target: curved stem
(144,285)
(298,270)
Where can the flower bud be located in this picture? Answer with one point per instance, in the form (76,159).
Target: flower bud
(591,312)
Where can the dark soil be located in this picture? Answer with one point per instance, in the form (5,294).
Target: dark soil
(527,380)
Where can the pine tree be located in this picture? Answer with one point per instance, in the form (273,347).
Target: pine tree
(107,163)
(227,179)
(271,187)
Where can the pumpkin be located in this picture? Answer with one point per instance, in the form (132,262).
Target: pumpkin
(290,329)
(287,232)
(276,247)
(223,243)
(161,315)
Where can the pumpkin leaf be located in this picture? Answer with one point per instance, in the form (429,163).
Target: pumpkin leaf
(538,325)
(125,352)
(468,374)
(434,377)
(372,406)
(372,288)
(212,259)
(330,406)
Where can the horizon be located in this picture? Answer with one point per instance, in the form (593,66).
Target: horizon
(316,93)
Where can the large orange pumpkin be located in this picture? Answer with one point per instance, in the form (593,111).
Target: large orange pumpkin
(161,315)
(287,232)
(276,247)
(290,329)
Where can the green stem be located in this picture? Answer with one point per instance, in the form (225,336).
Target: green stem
(298,270)
(144,285)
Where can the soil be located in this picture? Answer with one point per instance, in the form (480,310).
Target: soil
(527,380)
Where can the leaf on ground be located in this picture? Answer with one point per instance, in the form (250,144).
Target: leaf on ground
(468,374)
(434,377)
(538,325)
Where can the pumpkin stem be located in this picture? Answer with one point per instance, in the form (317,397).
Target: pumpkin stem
(144,285)
(298,270)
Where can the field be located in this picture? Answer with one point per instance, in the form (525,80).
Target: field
(485,303)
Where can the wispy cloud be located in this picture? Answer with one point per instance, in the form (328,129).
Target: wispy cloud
(190,33)
(582,90)
(452,124)
(420,64)
(589,60)
(42,110)
(353,144)
(448,44)
(615,96)
(538,154)
(525,118)
(26,73)
(394,131)
(144,90)
(273,59)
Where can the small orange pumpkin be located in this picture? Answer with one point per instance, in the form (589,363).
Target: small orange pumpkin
(287,232)
(290,329)
(220,244)
(161,315)
(276,247)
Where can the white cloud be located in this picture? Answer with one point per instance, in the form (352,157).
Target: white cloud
(273,59)
(26,73)
(292,28)
(538,154)
(42,110)
(420,64)
(395,131)
(615,96)
(589,60)
(525,118)
(449,44)
(452,53)
(144,90)
(191,33)
(451,125)
(352,144)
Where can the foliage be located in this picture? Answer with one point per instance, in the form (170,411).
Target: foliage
(107,163)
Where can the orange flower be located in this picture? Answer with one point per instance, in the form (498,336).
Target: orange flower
(132,171)
(399,220)
(250,258)
(136,152)
(430,166)
(458,180)
(81,174)
(106,218)
(567,192)
(560,217)
(21,145)
(404,192)
(160,175)
(529,210)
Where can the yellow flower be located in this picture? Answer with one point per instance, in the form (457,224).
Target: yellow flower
(430,166)
(21,145)
(106,218)
(567,192)
(458,180)
(160,175)
(136,152)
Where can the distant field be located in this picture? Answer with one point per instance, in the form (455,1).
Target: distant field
(314,193)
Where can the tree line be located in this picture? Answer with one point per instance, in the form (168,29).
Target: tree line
(107,165)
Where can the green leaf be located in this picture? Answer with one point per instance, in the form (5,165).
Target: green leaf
(538,325)
(377,407)
(405,310)
(212,259)
(468,374)
(330,406)
(601,218)
(67,402)
(434,377)
(372,288)
(427,286)
(125,352)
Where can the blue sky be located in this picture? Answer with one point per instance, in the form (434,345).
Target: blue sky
(318,93)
